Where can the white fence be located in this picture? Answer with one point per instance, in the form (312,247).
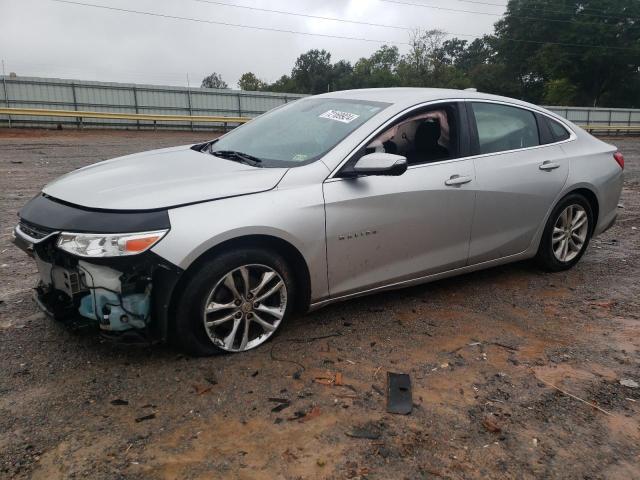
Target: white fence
(610,120)
(124,98)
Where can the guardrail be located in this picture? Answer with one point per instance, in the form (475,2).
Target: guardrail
(129,99)
(81,114)
(137,106)
(224,120)
(618,121)
(610,128)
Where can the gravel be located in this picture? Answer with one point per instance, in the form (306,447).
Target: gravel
(481,349)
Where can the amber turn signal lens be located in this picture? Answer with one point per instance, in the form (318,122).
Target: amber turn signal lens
(140,244)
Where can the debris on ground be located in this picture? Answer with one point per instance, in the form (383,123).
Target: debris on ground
(282,404)
(201,389)
(298,373)
(584,349)
(289,456)
(151,416)
(481,344)
(119,401)
(377,389)
(513,348)
(368,431)
(399,393)
(354,472)
(280,407)
(491,424)
(324,381)
(311,414)
(331,380)
(575,397)
(627,382)
(303,416)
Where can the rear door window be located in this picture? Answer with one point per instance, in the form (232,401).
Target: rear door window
(502,127)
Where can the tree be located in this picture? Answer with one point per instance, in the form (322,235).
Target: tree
(598,54)
(478,52)
(415,67)
(379,70)
(342,76)
(559,92)
(213,81)
(493,78)
(451,51)
(312,72)
(249,81)
(284,85)
(566,52)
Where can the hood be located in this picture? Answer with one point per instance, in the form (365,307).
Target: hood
(160,179)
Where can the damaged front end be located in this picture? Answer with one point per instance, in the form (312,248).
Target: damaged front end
(110,279)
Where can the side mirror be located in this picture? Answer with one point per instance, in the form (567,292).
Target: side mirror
(380,163)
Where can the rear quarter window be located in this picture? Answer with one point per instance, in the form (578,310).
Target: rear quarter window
(559,132)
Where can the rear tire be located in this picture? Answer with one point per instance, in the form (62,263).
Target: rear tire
(566,235)
(234,302)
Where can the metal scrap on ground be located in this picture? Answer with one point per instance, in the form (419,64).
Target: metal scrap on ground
(399,393)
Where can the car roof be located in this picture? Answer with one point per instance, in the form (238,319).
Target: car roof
(407,96)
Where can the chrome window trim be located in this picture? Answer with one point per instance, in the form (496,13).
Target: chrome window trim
(384,126)
(572,135)
(560,120)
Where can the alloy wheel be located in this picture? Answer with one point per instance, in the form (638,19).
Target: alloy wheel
(570,233)
(245,307)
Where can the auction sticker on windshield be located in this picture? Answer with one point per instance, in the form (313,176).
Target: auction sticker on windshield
(344,117)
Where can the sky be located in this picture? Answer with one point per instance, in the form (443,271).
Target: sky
(46,38)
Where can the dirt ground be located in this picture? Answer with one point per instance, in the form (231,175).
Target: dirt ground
(483,351)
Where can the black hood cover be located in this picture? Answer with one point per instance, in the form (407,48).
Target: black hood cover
(53,214)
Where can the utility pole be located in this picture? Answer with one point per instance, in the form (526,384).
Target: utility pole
(189,100)
(3,74)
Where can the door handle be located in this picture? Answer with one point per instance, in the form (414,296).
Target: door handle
(456,180)
(548,166)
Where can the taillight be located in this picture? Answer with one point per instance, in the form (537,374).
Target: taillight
(620,159)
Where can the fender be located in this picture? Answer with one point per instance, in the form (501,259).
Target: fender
(294,215)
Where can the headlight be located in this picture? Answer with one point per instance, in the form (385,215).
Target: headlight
(108,244)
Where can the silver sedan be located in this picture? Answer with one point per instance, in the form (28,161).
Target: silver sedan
(215,245)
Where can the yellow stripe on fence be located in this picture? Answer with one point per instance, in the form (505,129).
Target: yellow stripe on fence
(39,112)
(626,128)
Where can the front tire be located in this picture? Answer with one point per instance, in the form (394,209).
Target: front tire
(567,234)
(235,302)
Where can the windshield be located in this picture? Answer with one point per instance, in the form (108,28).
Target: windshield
(298,133)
